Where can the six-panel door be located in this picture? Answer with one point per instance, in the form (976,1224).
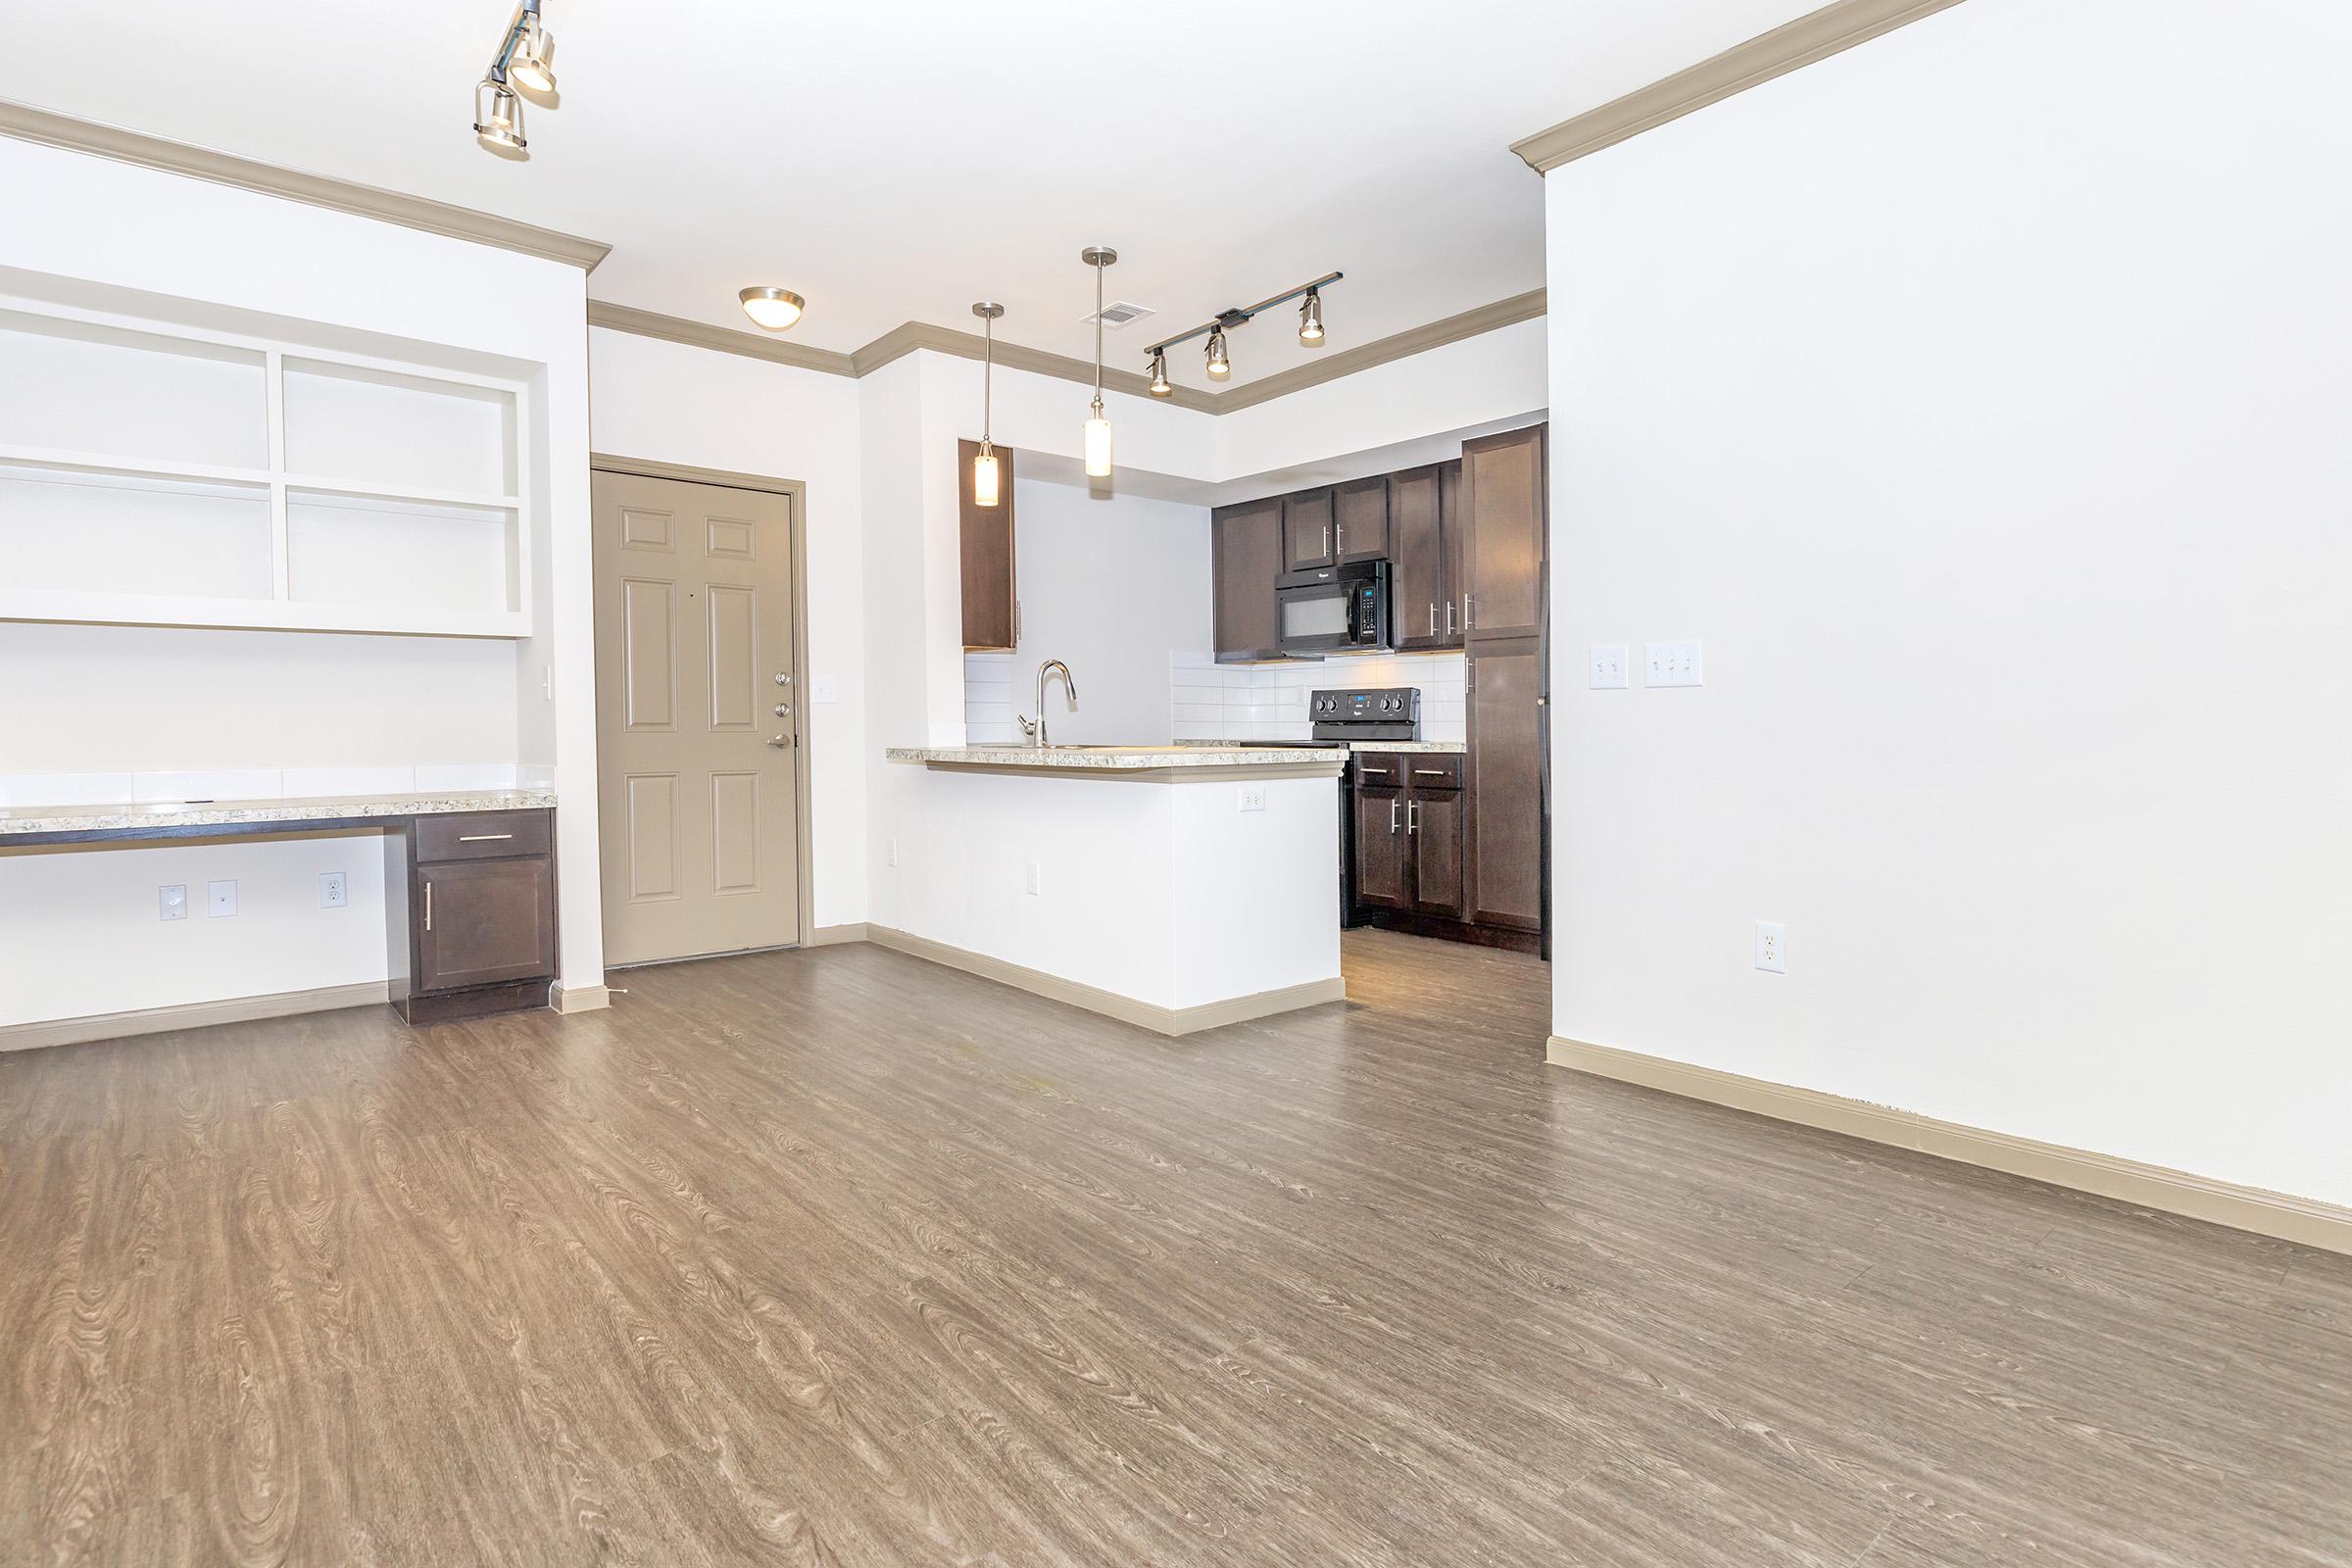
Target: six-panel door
(698,718)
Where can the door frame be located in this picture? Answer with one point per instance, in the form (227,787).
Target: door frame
(797,493)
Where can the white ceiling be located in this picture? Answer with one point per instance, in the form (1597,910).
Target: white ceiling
(897,163)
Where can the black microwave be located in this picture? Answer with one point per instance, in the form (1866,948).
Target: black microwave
(1334,609)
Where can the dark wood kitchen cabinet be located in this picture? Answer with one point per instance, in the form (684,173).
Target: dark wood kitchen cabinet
(472,905)
(1421,573)
(1359,520)
(1245,558)
(1411,822)
(1503,596)
(991,617)
(1307,530)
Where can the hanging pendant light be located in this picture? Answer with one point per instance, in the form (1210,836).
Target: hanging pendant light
(1097,425)
(1219,365)
(1310,320)
(986,483)
(1160,374)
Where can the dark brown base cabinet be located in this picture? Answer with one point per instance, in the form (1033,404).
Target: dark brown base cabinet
(1409,821)
(471,906)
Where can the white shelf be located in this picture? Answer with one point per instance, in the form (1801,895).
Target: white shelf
(426,475)
(271,615)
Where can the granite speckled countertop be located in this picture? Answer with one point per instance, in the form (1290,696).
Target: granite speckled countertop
(1113,759)
(1433,747)
(27,820)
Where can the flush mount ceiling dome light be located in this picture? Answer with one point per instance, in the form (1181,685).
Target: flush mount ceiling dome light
(1216,357)
(524,60)
(772,310)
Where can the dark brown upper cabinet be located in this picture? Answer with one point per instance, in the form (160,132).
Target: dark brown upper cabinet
(1502,538)
(1308,531)
(1359,520)
(991,622)
(1421,586)
(1246,557)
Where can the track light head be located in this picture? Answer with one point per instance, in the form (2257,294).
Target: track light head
(1220,366)
(1160,374)
(532,66)
(498,118)
(1310,319)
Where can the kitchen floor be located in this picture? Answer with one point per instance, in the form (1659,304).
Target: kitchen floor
(837,1256)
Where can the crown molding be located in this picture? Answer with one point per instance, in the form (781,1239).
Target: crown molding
(1365,356)
(904,339)
(703,335)
(25,123)
(1817,36)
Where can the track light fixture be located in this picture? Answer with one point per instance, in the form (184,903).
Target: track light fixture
(1217,358)
(986,486)
(524,60)
(1098,423)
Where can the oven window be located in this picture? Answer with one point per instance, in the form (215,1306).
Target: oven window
(1313,615)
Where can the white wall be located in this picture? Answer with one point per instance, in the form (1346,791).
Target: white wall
(110,700)
(1979,396)
(672,403)
(1110,586)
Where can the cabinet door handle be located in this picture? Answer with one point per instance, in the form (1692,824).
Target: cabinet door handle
(1413,816)
(429,906)
(1392,816)
(480,838)
(1373,772)
(1448,617)
(1327,538)
(1465,612)
(1433,772)
(1433,619)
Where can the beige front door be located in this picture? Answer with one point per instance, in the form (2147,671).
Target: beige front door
(696,717)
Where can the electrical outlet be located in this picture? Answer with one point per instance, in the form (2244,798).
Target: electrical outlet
(1036,879)
(334,891)
(1254,796)
(171,902)
(1674,664)
(1609,663)
(1772,947)
(220,900)
(890,852)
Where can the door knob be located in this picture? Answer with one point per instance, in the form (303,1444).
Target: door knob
(779,740)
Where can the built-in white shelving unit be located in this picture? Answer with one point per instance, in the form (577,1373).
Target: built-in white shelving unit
(155,474)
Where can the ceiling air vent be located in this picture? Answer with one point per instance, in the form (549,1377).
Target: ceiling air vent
(1117,313)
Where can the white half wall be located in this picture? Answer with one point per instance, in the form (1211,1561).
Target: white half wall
(1978,397)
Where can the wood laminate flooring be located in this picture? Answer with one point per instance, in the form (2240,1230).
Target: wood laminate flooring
(840,1257)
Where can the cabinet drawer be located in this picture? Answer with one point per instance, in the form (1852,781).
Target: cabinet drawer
(1431,770)
(1385,769)
(481,834)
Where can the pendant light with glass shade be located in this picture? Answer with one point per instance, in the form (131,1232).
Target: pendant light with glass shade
(986,480)
(1097,425)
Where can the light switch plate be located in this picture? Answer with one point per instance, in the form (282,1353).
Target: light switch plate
(1035,879)
(171,902)
(220,899)
(1772,947)
(824,689)
(1611,665)
(1681,663)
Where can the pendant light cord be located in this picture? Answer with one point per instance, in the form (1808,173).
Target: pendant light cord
(988,380)
(1097,335)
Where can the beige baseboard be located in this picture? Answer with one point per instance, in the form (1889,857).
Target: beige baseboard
(826,936)
(187,1015)
(2305,1220)
(578,999)
(1127,1009)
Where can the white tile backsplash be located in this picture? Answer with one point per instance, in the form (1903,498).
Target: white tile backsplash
(210,784)
(988,704)
(1269,702)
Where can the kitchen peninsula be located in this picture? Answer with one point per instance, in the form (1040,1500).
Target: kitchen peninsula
(1178,888)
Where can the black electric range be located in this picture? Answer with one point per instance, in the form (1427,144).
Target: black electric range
(1349,718)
